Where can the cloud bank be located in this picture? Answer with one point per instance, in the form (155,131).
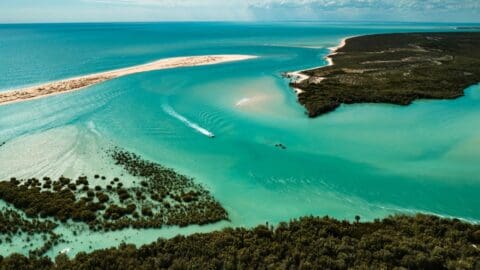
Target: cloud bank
(241,10)
(391,10)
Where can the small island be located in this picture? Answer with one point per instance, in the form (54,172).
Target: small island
(391,68)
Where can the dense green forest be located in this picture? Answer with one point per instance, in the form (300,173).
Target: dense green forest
(393,68)
(398,242)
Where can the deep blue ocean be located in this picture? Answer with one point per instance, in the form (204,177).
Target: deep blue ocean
(371,160)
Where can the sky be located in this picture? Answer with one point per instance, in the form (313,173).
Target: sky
(20,11)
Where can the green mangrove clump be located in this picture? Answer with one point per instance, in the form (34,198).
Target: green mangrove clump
(162,197)
(13,224)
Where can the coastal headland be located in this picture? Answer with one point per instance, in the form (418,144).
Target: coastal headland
(391,68)
(81,82)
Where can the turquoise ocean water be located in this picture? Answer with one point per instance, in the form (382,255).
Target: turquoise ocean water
(370,160)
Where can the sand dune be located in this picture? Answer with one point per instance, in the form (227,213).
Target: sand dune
(78,83)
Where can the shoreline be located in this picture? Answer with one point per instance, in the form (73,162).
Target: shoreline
(80,82)
(334,50)
(298,77)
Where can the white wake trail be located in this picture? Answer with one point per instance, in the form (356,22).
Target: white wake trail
(169,110)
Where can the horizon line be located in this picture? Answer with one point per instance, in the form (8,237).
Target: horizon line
(236,21)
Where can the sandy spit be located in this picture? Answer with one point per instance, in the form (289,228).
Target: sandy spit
(77,83)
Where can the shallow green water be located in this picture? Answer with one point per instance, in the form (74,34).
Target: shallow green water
(369,160)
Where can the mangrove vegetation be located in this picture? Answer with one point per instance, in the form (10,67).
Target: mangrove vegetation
(162,197)
(393,68)
(398,242)
(14,224)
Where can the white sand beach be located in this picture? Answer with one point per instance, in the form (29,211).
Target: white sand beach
(298,76)
(334,50)
(77,83)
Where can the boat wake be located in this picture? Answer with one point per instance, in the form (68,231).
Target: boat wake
(170,111)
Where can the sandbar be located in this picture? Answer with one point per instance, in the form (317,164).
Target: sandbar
(77,83)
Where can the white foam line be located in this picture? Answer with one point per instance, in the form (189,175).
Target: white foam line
(183,119)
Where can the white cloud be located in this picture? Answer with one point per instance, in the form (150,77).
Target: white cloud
(402,4)
(314,6)
(172,3)
(240,10)
(411,4)
(379,10)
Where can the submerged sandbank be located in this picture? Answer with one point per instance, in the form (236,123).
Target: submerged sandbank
(80,82)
